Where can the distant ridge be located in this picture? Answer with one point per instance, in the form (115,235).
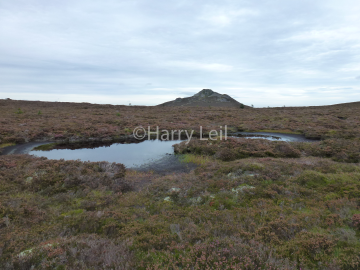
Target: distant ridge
(205,97)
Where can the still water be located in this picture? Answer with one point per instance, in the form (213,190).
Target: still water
(131,155)
(273,136)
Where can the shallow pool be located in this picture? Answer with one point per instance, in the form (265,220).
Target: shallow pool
(133,154)
(129,154)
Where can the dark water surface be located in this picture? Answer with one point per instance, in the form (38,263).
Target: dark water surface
(131,154)
(145,155)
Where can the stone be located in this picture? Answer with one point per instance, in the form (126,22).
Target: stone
(241,188)
(28,180)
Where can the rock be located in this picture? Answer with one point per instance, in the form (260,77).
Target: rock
(28,180)
(196,200)
(39,173)
(99,214)
(235,175)
(241,188)
(6,221)
(175,228)
(25,253)
(29,251)
(251,174)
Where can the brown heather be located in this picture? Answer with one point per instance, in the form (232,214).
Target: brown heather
(81,121)
(250,204)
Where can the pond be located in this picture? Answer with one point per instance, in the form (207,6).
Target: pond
(154,155)
(129,154)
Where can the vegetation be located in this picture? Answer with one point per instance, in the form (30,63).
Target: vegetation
(6,145)
(249,204)
(83,121)
(250,213)
(45,147)
(196,159)
(235,148)
(19,111)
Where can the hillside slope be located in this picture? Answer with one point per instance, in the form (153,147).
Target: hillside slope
(205,97)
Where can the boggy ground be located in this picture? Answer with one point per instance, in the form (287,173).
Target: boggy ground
(22,121)
(251,213)
(249,204)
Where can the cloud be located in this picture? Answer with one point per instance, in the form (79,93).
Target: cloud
(357,77)
(221,17)
(190,65)
(265,53)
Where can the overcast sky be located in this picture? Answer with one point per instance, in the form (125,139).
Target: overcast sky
(266,53)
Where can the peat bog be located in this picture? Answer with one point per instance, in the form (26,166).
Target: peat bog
(130,152)
(243,203)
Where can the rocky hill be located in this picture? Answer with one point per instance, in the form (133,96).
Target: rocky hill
(205,97)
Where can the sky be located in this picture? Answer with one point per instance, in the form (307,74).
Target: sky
(265,53)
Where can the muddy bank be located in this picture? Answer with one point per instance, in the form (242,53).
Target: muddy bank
(168,164)
(24,148)
(91,143)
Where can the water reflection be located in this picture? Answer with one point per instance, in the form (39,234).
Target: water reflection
(273,136)
(131,155)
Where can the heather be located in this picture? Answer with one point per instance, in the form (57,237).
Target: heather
(251,213)
(337,149)
(248,204)
(20,121)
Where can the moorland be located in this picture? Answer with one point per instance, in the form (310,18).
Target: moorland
(248,204)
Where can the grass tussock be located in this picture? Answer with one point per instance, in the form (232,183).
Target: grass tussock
(45,147)
(199,160)
(6,145)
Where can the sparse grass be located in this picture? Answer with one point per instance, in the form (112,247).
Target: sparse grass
(6,144)
(199,160)
(19,111)
(45,147)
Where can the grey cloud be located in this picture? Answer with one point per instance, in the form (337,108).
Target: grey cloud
(245,49)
